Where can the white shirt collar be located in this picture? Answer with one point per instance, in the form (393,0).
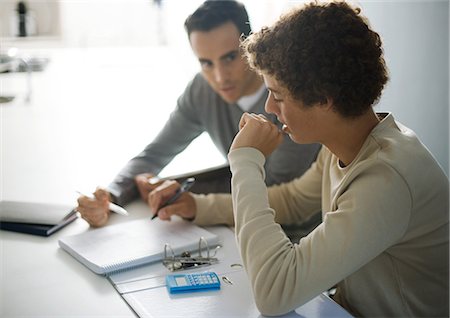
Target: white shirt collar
(246,102)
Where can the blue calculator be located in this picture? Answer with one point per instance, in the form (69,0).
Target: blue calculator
(184,283)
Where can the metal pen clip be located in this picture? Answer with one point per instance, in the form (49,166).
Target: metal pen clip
(185,260)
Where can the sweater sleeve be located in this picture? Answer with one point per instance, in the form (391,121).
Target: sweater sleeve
(296,201)
(215,209)
(285,275)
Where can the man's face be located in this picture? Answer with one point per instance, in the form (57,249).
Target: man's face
(222,64)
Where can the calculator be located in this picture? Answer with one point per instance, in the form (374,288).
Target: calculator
(184,283)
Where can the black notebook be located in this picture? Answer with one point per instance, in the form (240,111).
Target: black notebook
(41,219)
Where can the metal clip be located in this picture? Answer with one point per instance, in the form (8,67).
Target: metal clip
(185,260)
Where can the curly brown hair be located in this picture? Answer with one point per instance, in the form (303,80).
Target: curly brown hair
(320,52)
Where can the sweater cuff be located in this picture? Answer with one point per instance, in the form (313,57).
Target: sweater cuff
(202,208)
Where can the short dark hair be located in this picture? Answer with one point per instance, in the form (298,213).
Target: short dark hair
(323,51)
(214,13)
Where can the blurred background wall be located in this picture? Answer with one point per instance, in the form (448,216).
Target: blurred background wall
(415,35)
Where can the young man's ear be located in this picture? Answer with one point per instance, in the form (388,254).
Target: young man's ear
(326,104)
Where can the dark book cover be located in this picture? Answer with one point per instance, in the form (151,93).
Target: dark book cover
(34,218)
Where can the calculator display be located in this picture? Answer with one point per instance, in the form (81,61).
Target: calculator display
(181,281)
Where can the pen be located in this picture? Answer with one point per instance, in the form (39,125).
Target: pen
(185,186)
(112,207)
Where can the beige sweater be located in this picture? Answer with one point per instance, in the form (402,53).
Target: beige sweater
(384,236)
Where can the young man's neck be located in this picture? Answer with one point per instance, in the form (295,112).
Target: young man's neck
(350,135)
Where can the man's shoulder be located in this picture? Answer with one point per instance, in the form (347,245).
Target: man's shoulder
(199,94)
(199,85)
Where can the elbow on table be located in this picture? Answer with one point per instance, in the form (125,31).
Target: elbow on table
(271,306)
(276,300)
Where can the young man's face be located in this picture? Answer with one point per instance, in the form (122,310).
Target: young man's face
(303,124)
(222,63)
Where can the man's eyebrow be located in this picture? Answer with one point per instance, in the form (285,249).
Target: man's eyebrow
(272,90)
(228,54)
(202,60)
(223,57)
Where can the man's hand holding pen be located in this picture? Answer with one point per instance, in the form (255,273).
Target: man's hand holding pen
(95,210)
(171,198)
(146,183)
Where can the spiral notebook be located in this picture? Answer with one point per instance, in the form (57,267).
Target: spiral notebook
(124,246)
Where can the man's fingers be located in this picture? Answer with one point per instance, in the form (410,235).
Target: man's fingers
(248,117)
(146,182)
(173,209)
(96,220)
(244,119)
(161,194)
(143,176)
(94,216)
(86,202)
(154,181)
(262,117)
(148,179)
(101,194)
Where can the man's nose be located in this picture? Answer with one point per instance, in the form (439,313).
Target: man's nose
(220,74)
(271,107)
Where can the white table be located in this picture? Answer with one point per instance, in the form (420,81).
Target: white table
(39,279)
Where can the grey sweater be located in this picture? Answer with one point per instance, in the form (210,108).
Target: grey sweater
(200,109)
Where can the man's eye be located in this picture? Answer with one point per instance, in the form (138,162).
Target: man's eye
(230,57)
(205,64)
(276,99)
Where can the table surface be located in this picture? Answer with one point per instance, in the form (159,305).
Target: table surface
(39,279)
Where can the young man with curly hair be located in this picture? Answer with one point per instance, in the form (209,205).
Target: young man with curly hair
(385,199)
(383,242)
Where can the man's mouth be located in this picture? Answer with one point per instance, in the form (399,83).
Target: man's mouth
(226,89)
